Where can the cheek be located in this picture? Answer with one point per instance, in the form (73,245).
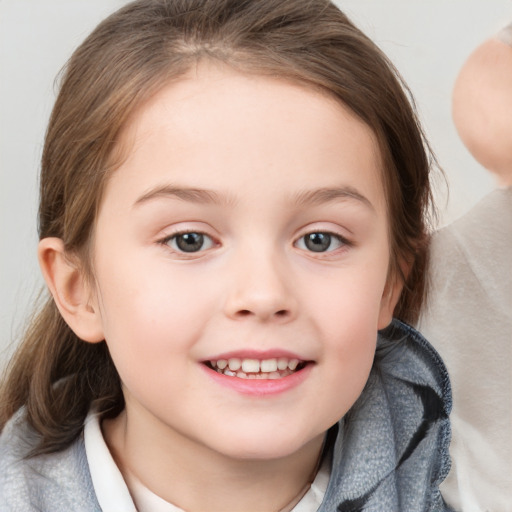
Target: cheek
(346,312)
(149,315)
(349,366)
(349,299)
(350,340)
(150,330)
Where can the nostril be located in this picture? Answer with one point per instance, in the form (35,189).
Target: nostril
(282,313)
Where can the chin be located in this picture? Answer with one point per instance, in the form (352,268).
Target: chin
(260,447)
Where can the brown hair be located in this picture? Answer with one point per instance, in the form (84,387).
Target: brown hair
(126,60)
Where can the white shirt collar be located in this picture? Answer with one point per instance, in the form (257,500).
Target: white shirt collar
(108,482)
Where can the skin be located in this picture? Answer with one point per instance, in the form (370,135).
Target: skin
(482,102)
(263,148)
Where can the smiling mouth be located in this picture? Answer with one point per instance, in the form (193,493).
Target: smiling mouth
(266,369)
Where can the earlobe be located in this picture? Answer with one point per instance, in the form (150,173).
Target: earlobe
(70,290)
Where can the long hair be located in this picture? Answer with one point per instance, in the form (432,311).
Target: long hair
(127,59)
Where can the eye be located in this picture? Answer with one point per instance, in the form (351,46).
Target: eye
(189,242)
(321,242)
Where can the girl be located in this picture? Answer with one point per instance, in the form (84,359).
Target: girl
(234,201)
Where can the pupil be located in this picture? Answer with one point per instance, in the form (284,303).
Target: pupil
(190,242)
(318,242)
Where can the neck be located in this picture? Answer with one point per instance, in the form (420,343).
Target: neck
(196,478)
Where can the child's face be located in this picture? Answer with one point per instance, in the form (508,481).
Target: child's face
(285,257)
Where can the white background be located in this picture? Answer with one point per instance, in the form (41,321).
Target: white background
(428,40)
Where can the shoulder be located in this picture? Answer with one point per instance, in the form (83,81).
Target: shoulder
(470,279)
(57,481)
(470,262)
(492,215)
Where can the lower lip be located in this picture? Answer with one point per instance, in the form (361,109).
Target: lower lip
(260,387)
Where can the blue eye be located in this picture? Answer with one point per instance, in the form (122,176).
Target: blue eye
(320,242)
(189,242)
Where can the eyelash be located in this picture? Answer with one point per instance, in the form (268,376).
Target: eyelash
(176,236)
(325,237)
(329,238)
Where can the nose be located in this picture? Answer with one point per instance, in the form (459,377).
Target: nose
(260,289)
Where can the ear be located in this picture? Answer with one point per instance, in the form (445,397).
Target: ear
(389,299)
(70,290)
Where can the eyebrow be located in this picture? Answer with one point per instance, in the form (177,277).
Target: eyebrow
(190,194)
(326,195)
(301,199)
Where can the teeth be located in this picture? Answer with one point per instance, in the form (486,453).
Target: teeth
(251,366)
(256,369)
(292,364)
(234,364)
(282,363)
(269,365)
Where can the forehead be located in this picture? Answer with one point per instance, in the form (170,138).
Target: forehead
(219,128)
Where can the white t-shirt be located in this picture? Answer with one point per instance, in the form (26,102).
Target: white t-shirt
(469,321)
(112,491)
